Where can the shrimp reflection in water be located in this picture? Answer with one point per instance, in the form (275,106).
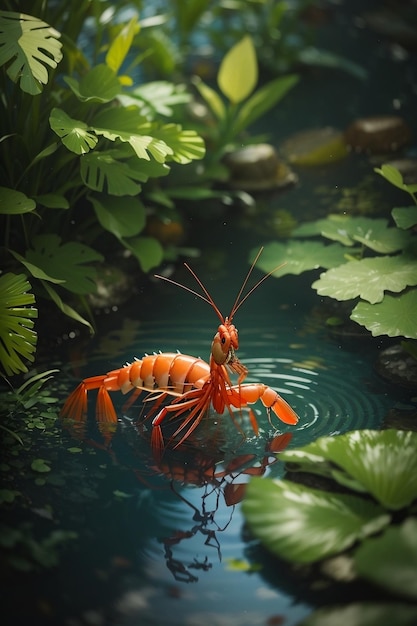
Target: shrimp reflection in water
(183,385)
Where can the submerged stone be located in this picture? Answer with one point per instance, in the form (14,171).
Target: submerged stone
(319,146)
(258,168)
(398,367)
(378,134)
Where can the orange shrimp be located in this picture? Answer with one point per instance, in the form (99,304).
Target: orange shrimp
(190,383)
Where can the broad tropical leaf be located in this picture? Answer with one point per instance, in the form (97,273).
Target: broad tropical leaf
(101,171)
(28,46)
(156,98)
(100,84)
(383,463)
(395,316)
(13,202)
(147,250)
(211,98)
(74,133)
(371,232)
(299,256)
(129,126)
(17,337)
(391,559)
(186,145)
(123,218)
(305,525)
(120,46)
(368,278)
(238,72)
(67,262)
(65,308)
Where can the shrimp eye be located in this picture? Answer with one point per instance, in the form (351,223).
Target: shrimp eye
(223,340)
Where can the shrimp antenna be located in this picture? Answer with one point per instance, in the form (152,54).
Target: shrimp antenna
(208,298)
(238,304)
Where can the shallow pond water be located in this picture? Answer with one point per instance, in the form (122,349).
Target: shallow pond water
(165,543)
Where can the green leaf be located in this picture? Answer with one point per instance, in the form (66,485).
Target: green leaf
(298,256)
(100,84)
(122,219)
(40,465)
(128,126)
(371,232)
(186,145)
(395,316)
(36,271)
(305,525)
(147,250)
(383,463)
(157,98)
(120,46)
(262,101)
(17,337)
(392,175)
(74,134)
(405,217)
(65,308)
(28,46)
(52,201)
(68,262)
(390,560)
(102,171)
(14,202)
(211,98)
(363,614)
(238,72)
(368,278)
(310,55)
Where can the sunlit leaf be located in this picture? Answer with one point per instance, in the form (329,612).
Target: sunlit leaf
(391,174)
(238,72)
(157,98)
(299,256)
(303,524)
(28,46)
(17,312)
(120,46)
(384,463)
(123,218)
(186,145)
(147,250)
(101,171)
(69,262)
(129,126)
(371,232)
(74,133)
(14,202)
(395,316)
(100,84)
(405,217)
(368,278)
(363,614)
(262,101)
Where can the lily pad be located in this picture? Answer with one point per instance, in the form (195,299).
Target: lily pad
(305,525)
(395,316)
(371,232)
(299,256)
(382,463)
(41,466)
(391,559)
(368,278)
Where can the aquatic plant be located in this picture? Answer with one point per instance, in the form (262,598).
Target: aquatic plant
(77,140)
(365,509)
(369,259)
